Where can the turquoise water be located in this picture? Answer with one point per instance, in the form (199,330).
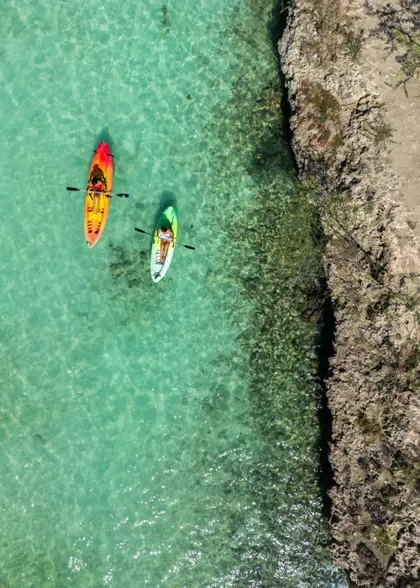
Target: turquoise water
(153,435)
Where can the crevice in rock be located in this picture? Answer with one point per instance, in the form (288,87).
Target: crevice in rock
(276,28)
(325,351)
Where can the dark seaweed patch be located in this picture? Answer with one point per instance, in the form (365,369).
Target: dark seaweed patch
(124,265)
(282,274)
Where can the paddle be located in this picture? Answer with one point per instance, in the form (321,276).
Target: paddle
(146,233)
(121,194)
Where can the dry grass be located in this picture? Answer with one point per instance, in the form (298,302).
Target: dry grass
(399,26)
(336,30)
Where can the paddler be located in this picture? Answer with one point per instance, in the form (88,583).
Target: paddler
(97,184)
(166,237)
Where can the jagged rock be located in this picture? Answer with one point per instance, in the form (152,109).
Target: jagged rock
(372,257)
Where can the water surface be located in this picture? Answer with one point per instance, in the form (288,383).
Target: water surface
(153,435)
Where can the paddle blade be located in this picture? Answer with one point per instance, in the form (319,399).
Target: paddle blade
(71,189)
(122,195)
(140,230)
(189,247)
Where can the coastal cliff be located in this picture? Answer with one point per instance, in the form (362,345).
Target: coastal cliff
(351,98)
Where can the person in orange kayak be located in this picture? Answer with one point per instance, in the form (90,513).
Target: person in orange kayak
(166,236)
(97,185)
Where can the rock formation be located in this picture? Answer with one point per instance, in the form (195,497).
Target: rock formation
(343,126)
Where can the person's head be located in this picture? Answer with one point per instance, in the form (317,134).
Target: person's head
(164,229)
(94,181)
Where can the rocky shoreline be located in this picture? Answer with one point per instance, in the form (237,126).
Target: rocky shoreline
(342,140)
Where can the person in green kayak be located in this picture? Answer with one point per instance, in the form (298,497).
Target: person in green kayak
(166,237)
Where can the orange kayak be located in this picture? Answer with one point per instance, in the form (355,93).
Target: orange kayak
(98,198)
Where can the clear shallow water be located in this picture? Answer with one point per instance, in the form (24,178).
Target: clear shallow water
(152,435)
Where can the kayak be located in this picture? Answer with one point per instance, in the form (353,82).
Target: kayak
(98,199)
(162,250)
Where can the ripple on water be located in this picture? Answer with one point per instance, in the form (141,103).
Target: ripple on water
(154,434)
